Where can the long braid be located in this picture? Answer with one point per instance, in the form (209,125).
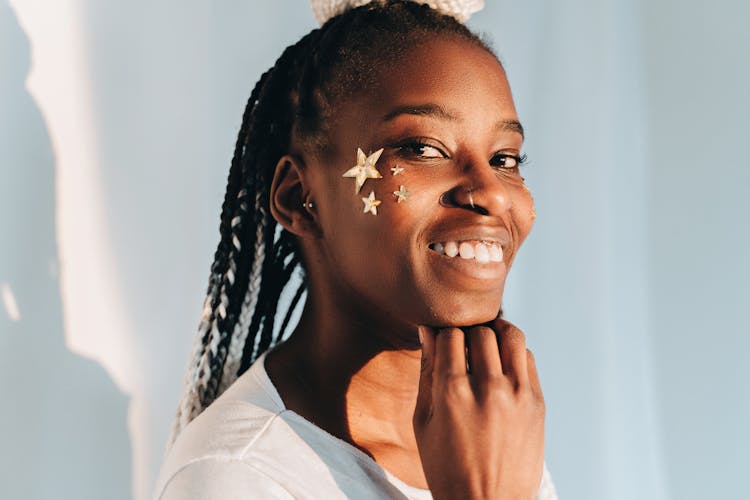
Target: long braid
(254,262)
(235,282)
(189,408)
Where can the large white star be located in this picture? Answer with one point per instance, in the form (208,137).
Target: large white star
(371,204)
(365,168)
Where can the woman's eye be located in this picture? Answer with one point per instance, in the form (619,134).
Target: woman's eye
(507,161)
(421,150)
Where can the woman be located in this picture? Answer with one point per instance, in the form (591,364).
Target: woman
(381,155)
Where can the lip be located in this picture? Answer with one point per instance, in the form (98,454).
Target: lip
(499,234)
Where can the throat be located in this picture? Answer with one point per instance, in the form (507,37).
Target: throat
(370,404)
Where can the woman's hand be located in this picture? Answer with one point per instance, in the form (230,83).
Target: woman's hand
(480,432)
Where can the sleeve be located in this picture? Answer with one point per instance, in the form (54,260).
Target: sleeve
(546,487)
(217,479)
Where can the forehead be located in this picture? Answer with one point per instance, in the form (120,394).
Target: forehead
(441,61)
(452,73)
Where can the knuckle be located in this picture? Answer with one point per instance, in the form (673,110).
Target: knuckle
(513,337)
(450,332)
(533,403)
(455,387)
(481,331)
(499,394)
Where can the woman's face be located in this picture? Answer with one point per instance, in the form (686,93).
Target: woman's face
(444,115)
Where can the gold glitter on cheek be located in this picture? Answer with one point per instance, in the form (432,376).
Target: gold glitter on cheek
(402,194)
(371,204)
(364,169)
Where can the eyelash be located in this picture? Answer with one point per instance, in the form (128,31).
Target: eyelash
(415,149)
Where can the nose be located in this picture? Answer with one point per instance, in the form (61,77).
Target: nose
(479,189)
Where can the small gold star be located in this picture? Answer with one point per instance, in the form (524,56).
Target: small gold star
(364,169)
(402,194)
(371,204)
(397,170)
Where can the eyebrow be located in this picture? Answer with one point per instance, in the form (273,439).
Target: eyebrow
(512,126)
(432,110)
(442,113)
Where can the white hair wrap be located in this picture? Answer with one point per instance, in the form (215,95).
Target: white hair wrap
(460,9)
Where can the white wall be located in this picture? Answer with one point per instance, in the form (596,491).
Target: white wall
(117,123)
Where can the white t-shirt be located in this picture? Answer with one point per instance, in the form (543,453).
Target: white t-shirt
(247,445)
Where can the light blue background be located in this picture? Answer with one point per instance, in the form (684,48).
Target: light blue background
(633,288)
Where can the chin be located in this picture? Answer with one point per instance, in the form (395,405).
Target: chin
(465,314)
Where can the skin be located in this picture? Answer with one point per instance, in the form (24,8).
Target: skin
(355,365)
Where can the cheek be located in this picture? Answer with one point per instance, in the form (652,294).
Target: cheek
(523,211)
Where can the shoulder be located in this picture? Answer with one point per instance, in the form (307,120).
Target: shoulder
(216,450)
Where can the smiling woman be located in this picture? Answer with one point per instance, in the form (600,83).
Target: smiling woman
(387,147)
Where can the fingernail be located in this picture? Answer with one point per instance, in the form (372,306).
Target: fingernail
(421,338)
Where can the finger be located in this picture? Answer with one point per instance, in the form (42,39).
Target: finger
(512,351)
(450,354)
(424,394)
(536,385)
(484,360)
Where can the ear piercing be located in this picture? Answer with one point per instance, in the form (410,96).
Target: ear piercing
(308,204)
(364,169)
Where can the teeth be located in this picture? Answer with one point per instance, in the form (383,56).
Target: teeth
(451,249)
(466,250)
(482,254)
(495,253)
(481,251)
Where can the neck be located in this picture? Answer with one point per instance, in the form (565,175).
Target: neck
(354,372)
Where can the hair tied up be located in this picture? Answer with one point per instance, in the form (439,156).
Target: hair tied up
(459,9)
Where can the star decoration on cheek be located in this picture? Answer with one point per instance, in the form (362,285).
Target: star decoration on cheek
(364,169)
(397,170)
(371,204)
(402,194)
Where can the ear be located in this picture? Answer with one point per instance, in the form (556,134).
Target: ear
(289,192)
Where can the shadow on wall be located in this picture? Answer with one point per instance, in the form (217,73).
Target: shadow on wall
(63,422)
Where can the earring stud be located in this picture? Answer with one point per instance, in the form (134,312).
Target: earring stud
(308,204)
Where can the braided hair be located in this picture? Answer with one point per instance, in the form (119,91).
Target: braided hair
(255,259)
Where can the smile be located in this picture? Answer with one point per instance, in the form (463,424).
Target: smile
(482,251)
